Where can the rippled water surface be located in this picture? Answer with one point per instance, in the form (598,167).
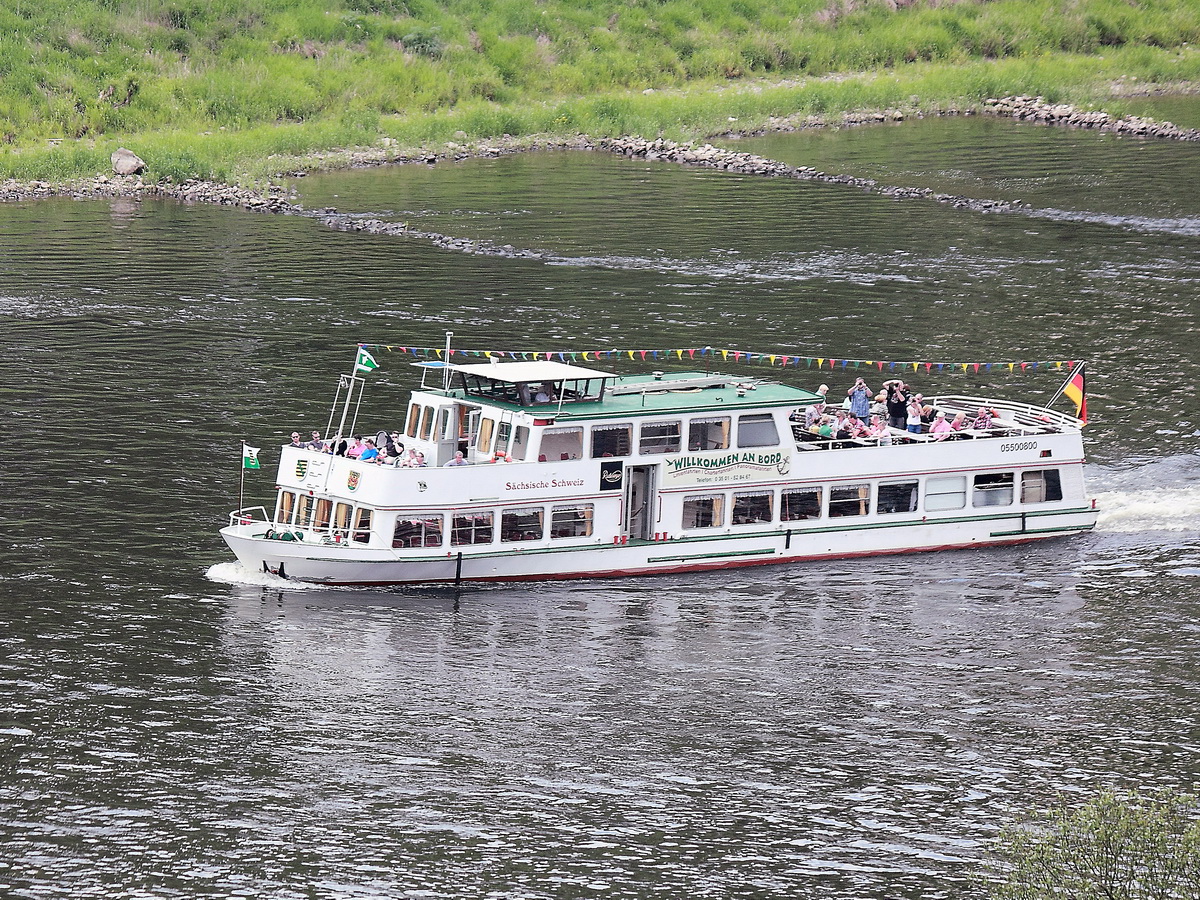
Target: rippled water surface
(173,727)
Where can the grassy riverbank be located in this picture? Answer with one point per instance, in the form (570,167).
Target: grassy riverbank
(239,90)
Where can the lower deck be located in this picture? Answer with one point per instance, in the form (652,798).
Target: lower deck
(650,525)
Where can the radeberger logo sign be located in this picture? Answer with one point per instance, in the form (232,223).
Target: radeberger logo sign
(726,468)
(612,475)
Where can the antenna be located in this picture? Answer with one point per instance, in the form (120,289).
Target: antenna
(446,366)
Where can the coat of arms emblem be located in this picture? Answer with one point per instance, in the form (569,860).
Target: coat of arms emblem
(352,480)
(301,468)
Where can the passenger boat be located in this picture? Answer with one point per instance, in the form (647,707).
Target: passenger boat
(575,472)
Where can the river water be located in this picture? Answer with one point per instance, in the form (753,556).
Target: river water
(173,727)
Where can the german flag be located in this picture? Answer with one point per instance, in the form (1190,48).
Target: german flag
(1075,390)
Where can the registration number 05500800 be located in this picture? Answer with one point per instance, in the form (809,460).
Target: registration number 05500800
(1018,445)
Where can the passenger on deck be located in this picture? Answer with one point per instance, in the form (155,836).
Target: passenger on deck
(855,427)
(941,428)
(369,452)
(860,399)
(825,429)
(879,405)
(880,431)
(459,460)
(960,421)
(356,448)
(913,420)
(812,415)
(419,460)
(897,403)
(316,443)
(927,410)
(983,419)
(296,441)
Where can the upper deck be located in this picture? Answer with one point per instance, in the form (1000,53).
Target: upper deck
(557,390)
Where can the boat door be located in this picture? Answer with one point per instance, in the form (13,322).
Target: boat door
(446,434)
(639,502)
(504,432)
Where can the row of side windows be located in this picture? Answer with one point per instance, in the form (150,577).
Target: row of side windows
(480,527)
(342,520)
(942,493)
(659,437)
(319,514)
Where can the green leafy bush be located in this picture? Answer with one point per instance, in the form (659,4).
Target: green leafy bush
(1116,846)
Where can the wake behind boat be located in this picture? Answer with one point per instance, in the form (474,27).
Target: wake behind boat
(539,469)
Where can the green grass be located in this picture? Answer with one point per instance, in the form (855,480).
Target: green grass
(212,88)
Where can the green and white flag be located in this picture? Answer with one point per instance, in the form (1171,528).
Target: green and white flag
(365,362)
(250,457)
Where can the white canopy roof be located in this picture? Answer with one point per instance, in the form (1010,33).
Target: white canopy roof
(536,370)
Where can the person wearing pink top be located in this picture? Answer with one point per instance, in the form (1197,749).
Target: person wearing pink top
(356,449)
(940,429)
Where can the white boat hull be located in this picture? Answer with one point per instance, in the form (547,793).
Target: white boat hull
(348,565)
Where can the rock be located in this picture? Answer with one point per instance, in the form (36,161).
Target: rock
(126,162)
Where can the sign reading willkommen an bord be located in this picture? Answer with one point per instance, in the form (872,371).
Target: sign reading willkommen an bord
(725,468)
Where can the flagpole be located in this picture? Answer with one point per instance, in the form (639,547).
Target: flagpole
(242,483)
(1075,371)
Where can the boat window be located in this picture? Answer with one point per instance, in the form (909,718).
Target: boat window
(341,519)
(896,497)
(577,389)
(304,506)
(362,526)
(414,416)
(503,433)
(322,514)
(709,433)
(704,511)
(522,524)
(473,528)
(612,440)
(803,503)
(287,500)
(444,429)
(427,423)
(486,427)
(417,531)
(757,431)
(562,443)
(571,521)
(520,444)
(750,507)
(945,492)
(659,437)
(849,500)
(478,386)
(993,489)
(1041,486)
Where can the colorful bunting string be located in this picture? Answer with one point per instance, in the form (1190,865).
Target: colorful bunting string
(776,360)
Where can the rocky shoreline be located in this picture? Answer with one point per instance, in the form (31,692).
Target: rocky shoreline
(280,200)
